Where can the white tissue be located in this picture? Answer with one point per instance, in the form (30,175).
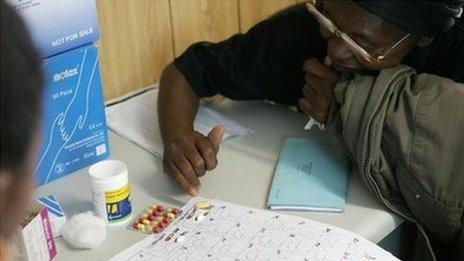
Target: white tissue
(85,230)
(312,122)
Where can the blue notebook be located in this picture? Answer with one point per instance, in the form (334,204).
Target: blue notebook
(310,175)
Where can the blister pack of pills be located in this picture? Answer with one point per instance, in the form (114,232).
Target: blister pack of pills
(155,219)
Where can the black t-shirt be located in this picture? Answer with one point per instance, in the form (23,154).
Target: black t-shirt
(266,62)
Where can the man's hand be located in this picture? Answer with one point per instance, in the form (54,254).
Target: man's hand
(318,91)
(189,156)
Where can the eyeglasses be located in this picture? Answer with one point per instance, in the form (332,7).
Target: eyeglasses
(372,57)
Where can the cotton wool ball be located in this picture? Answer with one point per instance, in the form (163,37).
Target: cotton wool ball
(85,230)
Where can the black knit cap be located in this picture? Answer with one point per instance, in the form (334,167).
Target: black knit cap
(424,18)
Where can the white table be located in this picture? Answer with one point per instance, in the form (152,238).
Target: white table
(244,175)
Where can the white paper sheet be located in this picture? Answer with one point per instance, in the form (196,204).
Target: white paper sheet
(136,119)
(234,232)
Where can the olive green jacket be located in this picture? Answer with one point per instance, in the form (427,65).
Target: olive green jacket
(405,135)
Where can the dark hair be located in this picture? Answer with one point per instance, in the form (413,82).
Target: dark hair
(444,57)
(21,83)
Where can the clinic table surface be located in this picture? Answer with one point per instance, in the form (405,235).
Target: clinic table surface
(243,176)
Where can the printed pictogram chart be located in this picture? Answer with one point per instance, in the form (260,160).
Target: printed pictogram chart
(232,232)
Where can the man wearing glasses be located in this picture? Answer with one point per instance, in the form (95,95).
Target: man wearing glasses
(296,57)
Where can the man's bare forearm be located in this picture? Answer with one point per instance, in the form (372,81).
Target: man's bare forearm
(177,104)
(187,154)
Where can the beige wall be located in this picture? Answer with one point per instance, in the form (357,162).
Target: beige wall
(139,37)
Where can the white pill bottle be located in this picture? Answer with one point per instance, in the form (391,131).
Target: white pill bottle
(109,183)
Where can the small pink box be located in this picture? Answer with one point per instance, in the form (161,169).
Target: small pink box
(34,239)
